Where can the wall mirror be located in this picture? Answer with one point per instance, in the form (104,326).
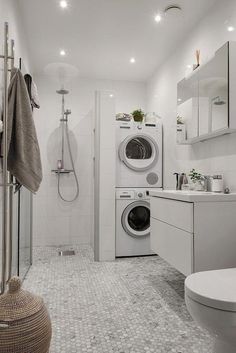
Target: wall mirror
(203,98)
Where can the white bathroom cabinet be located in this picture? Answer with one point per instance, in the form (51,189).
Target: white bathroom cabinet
(206,97)
(194,231)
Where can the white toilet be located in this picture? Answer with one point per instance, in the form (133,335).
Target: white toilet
(211,300)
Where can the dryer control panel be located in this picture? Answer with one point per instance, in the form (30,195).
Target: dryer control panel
(132,194)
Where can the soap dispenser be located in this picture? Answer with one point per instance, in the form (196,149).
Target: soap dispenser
(182,180)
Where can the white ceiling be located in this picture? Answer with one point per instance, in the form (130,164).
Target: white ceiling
(100,36)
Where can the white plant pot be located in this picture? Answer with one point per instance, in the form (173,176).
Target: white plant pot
(198,186)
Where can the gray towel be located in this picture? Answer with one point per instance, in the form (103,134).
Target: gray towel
(24,160)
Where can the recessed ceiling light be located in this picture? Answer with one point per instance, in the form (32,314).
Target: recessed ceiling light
(63,4)
(132,60)
(179,100)
(62,52)
(158,18)
(231,28)
(111,95)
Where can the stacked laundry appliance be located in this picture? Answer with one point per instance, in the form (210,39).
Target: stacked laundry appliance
(138,169)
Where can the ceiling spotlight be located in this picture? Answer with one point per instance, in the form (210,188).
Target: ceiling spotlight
(62,52)
(63,4)
(231,28)
(111,95)
(158,18)
(132,60)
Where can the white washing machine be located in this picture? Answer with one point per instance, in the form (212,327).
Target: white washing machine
(138,154)
(132,222)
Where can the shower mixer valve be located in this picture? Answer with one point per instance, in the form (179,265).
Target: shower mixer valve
(67,112)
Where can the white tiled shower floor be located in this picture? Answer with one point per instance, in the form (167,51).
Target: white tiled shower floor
(131,305)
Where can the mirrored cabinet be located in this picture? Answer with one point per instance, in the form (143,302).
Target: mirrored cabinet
(207,98)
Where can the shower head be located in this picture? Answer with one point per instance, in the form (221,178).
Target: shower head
(62,91)
(219,101)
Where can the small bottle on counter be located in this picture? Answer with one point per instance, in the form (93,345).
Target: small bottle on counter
(217,183)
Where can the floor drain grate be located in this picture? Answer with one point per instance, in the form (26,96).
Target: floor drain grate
(66,253)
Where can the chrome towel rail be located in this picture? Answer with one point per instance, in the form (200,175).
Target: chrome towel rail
(7,179)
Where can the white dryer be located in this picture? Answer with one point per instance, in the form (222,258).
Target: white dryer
(138,154)
(132,222)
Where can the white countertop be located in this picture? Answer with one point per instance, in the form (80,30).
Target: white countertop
(192,196)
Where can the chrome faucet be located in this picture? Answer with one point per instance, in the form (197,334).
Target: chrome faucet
(180,180)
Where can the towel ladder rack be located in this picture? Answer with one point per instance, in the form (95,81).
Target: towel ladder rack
(7,178)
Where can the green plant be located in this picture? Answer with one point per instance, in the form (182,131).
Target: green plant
(138,115)
(180,120)
(195,176)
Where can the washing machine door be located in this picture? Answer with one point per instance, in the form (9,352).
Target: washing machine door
(136,219)
(139,152)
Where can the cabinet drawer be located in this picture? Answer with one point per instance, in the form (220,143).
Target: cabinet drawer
(173,245)
(176,213)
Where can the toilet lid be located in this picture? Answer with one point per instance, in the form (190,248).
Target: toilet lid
(216,289)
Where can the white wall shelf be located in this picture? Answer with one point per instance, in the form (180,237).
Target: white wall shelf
(206,137)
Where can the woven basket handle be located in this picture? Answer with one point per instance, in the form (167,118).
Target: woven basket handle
(14,285)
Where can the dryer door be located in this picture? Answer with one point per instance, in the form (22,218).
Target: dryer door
(136,219)
(139,152)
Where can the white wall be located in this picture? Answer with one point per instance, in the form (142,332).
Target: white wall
(10,13)
(56,222)
(210,157)
(105,176)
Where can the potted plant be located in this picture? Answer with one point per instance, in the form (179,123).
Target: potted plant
(198,180)
(180,120)
(138,115)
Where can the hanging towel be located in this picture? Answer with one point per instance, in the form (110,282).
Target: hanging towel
(32,90)
(24,160)
(28,81)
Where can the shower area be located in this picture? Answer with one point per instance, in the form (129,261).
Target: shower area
(16,204)
(62,163)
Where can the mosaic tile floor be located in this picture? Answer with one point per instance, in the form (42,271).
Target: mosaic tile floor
(128,306)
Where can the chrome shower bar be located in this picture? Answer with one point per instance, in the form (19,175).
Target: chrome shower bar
(7,178)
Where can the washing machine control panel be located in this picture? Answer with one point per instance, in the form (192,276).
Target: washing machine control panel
(132,194)
(141,195)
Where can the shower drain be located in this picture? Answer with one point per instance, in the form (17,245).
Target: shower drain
(66,253)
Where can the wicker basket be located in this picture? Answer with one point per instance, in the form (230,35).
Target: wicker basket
(25,325)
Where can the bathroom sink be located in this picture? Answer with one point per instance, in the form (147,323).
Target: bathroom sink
(192,196)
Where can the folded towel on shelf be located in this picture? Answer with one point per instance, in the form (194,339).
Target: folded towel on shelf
(24,160)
